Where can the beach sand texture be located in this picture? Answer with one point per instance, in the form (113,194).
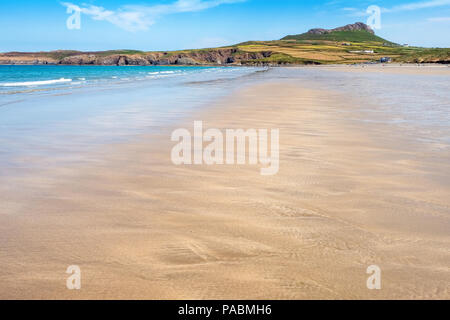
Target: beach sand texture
(349,194)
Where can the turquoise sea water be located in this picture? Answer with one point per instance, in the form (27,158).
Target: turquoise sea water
(59,113)
(56,114)
(17,79)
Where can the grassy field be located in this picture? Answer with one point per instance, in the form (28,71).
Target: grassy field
(343,52)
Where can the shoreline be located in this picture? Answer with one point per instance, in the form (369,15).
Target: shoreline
(141,228)
(425,64)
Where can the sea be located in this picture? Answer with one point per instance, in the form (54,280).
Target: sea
(59,112)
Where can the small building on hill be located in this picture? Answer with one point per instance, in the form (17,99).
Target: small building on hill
(386,60)
(362,51)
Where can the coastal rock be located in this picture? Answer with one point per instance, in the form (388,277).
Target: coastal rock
(122,61)
(187,61)
(135,60)
(162,62)
(226,56)
(107,61)
(79,60)
(230,60)
(19,58)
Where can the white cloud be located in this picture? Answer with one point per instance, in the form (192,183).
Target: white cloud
(439,19)
(139,18)
(419,5)
(354,12)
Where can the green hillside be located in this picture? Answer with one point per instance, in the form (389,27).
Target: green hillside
(350,36)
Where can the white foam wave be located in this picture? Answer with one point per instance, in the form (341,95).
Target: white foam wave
(34,83)
(162,72)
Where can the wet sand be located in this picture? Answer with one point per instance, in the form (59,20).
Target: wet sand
(349,194)
(407,69)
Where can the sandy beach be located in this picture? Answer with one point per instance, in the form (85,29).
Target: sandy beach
(394,68)
(350,194)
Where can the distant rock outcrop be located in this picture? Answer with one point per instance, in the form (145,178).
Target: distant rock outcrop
(359,26)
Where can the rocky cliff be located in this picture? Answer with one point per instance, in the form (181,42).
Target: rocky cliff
(230,56)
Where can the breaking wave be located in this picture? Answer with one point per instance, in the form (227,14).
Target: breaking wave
(34,83)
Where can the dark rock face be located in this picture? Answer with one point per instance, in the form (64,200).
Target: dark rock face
(359,26)
(318,31)
(187,62)
(230,60)
(113,60)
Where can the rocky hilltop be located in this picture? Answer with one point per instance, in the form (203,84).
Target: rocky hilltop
(358,26)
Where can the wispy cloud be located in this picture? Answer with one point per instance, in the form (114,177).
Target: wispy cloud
(140,17)
(400,8)
(354,12)
(419,5)
(439,19)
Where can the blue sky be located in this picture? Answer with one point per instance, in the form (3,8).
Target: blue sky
(29,25)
